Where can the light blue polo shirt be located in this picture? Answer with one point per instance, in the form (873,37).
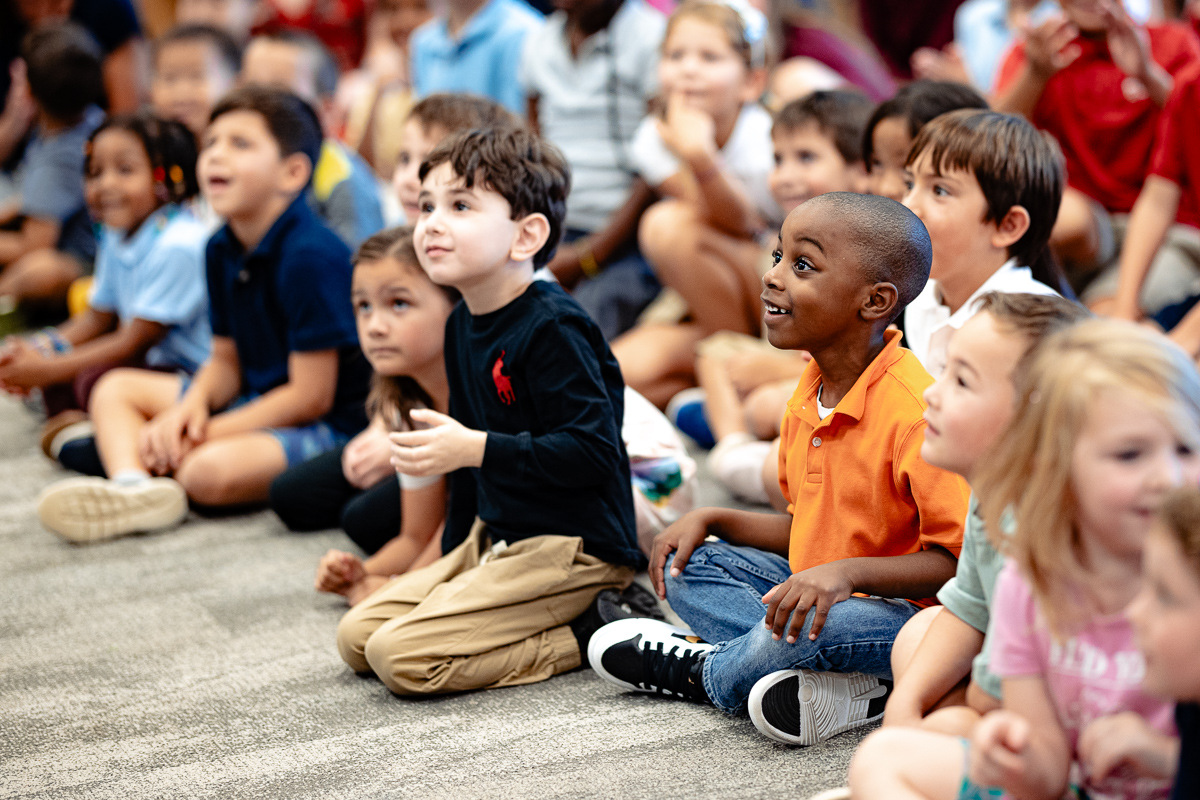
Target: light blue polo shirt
(157,274)
(483,59)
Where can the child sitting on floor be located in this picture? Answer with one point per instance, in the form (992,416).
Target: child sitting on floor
(46,241)
(867,516)
(1108,421)
(394,518)
(709,155)
(988,187)
(942,647)
(543,517)
(286,380)
(148,305)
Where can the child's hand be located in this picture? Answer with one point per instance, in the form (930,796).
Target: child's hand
(1050,45)
(687,131)
(443,447)
(171,435)
(21,367)
(367,459)
(1126,740)
(363,588)
(338,571)
(818,587)
(1000,750)
(681,537)
(1128,43)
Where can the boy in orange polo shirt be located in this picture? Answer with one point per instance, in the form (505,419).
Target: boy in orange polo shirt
(800,606)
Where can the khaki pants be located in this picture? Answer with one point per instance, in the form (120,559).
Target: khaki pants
(477,617)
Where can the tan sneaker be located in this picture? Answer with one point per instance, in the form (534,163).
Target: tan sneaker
(840,793)
(62,428)
(94,509)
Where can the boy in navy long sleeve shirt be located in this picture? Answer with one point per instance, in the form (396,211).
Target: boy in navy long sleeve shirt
(533,441)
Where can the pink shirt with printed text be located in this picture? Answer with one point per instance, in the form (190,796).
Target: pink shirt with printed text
(1097,672)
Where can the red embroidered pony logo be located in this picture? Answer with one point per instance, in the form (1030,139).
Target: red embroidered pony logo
(503,382)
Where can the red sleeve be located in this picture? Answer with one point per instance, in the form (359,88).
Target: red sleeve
(1176,49)
(1179,119)
(1010,67)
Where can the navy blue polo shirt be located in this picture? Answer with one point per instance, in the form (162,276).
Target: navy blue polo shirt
(291,293)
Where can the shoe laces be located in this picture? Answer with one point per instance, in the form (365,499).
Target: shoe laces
(671,672)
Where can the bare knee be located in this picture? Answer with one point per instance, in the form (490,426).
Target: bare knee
(116,387)
(764,411)
(667,229)
(909,639)
(43,275)
(207,479)
(875,762)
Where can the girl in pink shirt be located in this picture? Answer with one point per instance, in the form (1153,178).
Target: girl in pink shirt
(1108,422)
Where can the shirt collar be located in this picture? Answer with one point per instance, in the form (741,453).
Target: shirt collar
(294,214)
(479,25)
(937,314)
(133,249)
(853,405)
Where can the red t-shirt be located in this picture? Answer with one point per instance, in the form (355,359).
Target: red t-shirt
(1107,138)
(1177,157)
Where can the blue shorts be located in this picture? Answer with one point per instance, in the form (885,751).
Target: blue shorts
(299,444)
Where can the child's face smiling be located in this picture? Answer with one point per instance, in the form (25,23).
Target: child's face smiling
(1166,619)
(807,164)
(188,79)
(813,292)
(972,401)
(240,168)
(889,149)
(1126,458)
(119,184)
(699,63)
(401,317)
(463,237)
(953,207)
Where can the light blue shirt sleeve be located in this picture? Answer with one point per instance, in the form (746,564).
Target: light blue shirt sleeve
(170,284)
(103,294)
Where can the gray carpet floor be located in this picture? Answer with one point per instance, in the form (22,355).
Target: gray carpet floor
(200,663)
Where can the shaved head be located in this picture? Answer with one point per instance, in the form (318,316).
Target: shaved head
(892,243)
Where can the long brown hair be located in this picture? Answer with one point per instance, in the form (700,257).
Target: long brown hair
(393,397)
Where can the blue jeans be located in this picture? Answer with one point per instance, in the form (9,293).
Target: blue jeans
(720,594)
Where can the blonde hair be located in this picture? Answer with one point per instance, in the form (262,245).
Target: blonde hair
(393,397)
(722,16)
(1030,471)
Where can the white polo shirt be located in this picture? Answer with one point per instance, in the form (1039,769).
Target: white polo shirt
(928,324)
(589,106)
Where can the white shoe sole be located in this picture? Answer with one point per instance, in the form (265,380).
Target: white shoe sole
(94,509)
(828,703)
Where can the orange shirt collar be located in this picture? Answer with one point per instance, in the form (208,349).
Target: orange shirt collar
(804,402)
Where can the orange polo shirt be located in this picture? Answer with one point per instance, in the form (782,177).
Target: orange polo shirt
(855,482)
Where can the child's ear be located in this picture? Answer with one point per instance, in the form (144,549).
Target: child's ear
(755,86)
(296,171)
(532,232)
(1011,228)
(880,302)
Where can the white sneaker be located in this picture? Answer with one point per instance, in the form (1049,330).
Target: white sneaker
(840,793)
(93,509)
(799,706)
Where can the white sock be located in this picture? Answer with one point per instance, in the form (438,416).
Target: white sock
(737,462)
(130,477)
